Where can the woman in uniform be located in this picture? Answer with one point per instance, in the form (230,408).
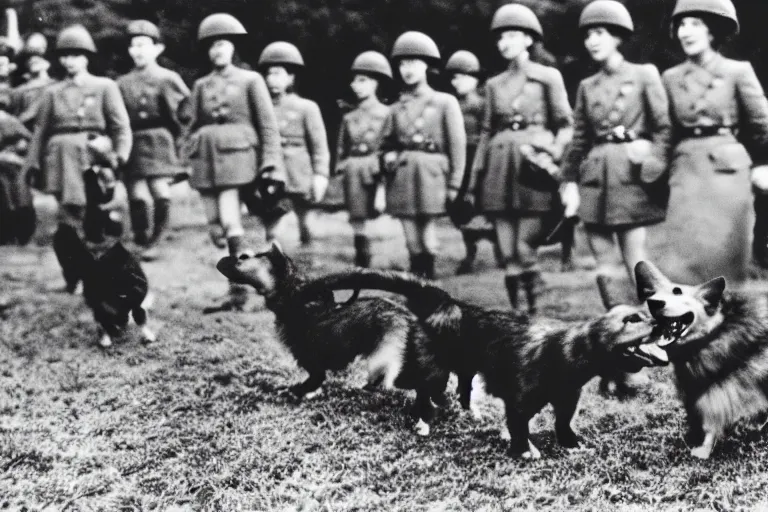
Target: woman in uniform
(306,156)
(424,150)
(152,96)
(232,136)
(526,112)
(618,150)
(720,128)
(72,112)
(358,145)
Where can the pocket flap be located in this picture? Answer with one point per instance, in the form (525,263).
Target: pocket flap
(235,138)
(730,157)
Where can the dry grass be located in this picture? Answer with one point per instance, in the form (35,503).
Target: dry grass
(197,422)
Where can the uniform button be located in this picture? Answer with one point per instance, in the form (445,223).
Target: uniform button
(614,116)
(697,131)
(143,100)
(417,138)
(143,115)
(605,123)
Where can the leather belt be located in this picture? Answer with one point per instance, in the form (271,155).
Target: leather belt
(148,124)
(78,129)
(617,135)
(361,149)
(690,132)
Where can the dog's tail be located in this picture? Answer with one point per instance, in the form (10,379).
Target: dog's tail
(427,301)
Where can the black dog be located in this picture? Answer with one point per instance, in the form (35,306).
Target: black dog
(324,337)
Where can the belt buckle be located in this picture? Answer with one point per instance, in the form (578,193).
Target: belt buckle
(723,130)
(697,131)
(362,147)
(619,132)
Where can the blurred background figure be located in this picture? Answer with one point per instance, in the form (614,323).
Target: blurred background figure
(358,146)
(34,68)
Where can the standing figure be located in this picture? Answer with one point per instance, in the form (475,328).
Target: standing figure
(527,117)
(720,128)
(464,70)
(232,138)
(306,156)
(424,150)
(27,96)
(358,145)
(73,113)
(152,96)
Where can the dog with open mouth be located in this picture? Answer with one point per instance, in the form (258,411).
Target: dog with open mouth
(527,362)
(717,342)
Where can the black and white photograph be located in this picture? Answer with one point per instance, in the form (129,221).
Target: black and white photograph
(383,255)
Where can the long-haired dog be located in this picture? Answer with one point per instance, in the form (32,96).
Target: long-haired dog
(324,337)
(718,344)
(527,363)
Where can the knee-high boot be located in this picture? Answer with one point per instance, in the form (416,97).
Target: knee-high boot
(140,222)
(362,251)
(161,216)
(531,279)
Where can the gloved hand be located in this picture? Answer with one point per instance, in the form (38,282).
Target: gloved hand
(760,178)
(319,186)
(569,195)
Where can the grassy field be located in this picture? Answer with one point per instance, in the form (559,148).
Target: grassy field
(196,421)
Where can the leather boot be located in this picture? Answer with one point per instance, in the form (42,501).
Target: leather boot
(162,214)
(416,266)
(362,251)
(140,222)
(429,265)
(66,242)
(235,245)
(512,282)
(532,283)
(25,224)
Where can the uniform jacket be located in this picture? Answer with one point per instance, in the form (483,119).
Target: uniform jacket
(71,110)
(14,189)
(534,95)
(152,97)
(428,119)
(26,99)
(304,141)
(473,110)
(614,178)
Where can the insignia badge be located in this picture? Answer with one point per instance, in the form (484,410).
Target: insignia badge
(362,148)
(419,123)
(417,138)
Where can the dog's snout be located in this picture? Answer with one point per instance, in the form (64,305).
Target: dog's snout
(656,305)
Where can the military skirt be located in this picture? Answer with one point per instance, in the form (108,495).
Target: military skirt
(417,186)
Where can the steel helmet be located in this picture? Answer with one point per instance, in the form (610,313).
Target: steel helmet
(606,13)
(280,53)
(372,62)
(75,38)
(143,28)
(36,44)
(415,44)
(463,62)
(517,17)
(220,25)
(724,9)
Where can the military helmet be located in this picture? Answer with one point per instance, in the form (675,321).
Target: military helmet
(606,13)
(75,38)
(517,17)
(281,53)
(723,9)
(372,62)
(415,44)
(6,48)
(463,62)
(36,44)
(220,25)
(143,28)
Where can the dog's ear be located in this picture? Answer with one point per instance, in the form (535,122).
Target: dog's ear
(711,293)
(278,258)
(276,248)
(649,280)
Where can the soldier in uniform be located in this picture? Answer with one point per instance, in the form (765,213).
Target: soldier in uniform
(26,97)
(463,68)
(424,148)
(358,145)
(720,128)
(231,139)
(72,112)
(526,114)
(152,96)
(306,156)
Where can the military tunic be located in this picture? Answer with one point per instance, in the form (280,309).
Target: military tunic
(710,216)
(525,106)
(615,108)
(304,142)
(152,97)
(357,156)
(232,131)
(70,111)
(426,128)
(14,191)
(26,99)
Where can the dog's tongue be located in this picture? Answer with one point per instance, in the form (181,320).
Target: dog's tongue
(654,351)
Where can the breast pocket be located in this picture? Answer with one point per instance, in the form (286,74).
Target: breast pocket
(591,171)
(730,158)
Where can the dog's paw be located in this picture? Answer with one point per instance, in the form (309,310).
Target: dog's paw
(422,428)
(532,453)
(701,452)
(105,341)
(504,434)
(314,394)
(147,336)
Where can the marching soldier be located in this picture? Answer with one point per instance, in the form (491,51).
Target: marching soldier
(358,145)
(618,150)
(424,150)
(303,137)
(72,113)
(720,129)
(26,97)
(464,70)
(527,117)
(152,96)
(232,138)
